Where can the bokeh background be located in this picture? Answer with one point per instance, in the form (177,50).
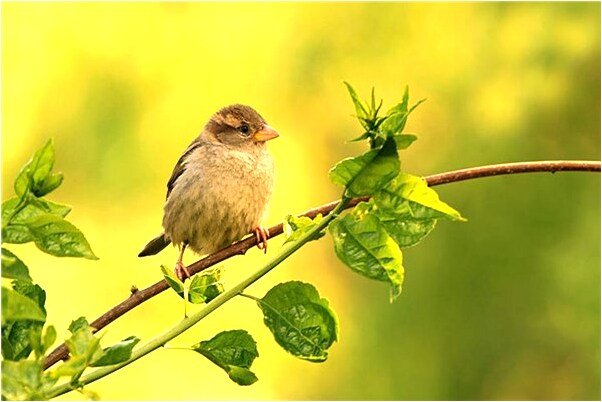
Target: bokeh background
(506,306)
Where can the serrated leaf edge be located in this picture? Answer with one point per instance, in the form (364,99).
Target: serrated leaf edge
(324,351)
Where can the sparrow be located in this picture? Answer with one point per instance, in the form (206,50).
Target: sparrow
(220,187)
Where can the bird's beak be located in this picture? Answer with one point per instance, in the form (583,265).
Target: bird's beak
(265,134)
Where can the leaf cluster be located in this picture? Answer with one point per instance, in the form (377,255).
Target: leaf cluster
(202,288)
(25,379)
(402,209)
(378,128)
(302,323)
(30,217)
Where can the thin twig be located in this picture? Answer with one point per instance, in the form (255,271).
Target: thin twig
(140,296)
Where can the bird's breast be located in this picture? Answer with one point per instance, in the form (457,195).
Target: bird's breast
(221,196)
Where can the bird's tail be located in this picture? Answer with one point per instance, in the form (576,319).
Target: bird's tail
(155,245)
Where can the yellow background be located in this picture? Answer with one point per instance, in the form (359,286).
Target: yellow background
(506,306)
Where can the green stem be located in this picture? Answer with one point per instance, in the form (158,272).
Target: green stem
(188,322)
(248,296)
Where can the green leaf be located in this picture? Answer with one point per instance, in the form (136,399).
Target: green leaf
(83,348)
(72,367)
(40,344)
(407,230)
(365,174)
(19,214)
(19,379)
(35,176)
(32,291)
(420,102)
(374,108)
(295,227)
(403,141)
(394,196)
(53,208)
(398,115)
(361,108)
(9,209)
(32,209)
(408,223)
(13,267)
(83,343)
(49,338)
(241,375)
(24,381)
(55,236)
(364,136)
(363,244)
(41,221)
(16,307)
(233,351)
(172,280)
(394,124)
(117,353)
(20,336)
(75,325)
(16,234)
(396,118)
(401,107)
(203,287)
(301,322)
(49,184)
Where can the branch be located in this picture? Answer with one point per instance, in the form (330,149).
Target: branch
(140,296)
(513,168)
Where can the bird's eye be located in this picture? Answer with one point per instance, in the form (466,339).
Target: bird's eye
(244,129)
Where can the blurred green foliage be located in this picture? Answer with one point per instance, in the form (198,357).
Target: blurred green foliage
(506,306)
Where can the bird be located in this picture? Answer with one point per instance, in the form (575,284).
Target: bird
(220,187)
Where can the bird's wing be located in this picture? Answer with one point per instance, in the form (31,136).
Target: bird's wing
(180,166)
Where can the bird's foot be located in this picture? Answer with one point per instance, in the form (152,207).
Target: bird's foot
(181,271)
(262,235)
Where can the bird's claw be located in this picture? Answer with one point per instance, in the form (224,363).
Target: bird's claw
(262,235)
(181,271)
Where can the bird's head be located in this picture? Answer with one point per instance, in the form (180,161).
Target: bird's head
(239,126)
